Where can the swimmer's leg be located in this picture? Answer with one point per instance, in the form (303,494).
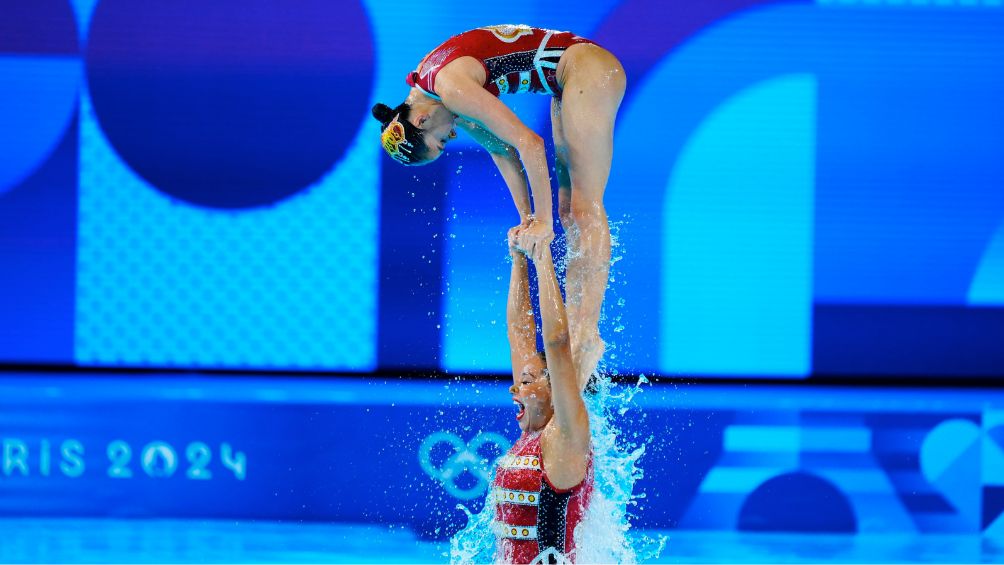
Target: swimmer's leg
(573,274)
(590,100)
(573,284)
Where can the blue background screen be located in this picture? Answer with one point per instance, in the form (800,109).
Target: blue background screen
(798,188)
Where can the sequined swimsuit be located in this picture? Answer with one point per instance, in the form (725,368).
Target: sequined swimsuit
(516,58)
(535,521)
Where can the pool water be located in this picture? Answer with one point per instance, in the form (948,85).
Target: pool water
(67,540)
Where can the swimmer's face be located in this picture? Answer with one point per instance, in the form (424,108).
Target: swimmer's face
(438,127)
(532,395)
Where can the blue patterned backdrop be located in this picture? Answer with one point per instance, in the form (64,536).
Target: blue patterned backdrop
(748,458)
(798,188)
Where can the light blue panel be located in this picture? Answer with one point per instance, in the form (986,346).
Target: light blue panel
(945,445)
(991,463)
(786,439)
(161,282)
(992,455)
(762,438)
(987,288)
(836,440)
(476,289)
(738,237)
(737,480)
(38,96)
(993,416)
(83,10)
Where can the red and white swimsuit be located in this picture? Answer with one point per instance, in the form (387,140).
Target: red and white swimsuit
(517,58)
(534,521)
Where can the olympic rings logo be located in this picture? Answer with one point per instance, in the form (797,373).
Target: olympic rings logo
(464,458)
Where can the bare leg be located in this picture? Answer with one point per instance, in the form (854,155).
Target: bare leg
(572,293)
(591,98)
(574,273)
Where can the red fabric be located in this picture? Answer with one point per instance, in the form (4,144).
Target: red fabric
(504,51)
(532,480)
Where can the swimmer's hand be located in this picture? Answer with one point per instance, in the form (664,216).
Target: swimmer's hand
(513,238)
(535,239)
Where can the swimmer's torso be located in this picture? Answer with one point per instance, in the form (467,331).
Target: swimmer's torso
(534,521)
(516,58)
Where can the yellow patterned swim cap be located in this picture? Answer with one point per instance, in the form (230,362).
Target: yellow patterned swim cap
(395,143)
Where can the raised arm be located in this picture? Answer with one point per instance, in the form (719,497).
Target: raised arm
(521,328)
(569,409)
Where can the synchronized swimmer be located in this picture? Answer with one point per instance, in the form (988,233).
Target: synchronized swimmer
(543,484)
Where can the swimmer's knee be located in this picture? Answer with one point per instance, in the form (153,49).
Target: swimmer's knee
(587,211)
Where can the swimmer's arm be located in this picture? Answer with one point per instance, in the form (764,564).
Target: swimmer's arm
(507,160)
(520,326)
(464,96)
(569,409)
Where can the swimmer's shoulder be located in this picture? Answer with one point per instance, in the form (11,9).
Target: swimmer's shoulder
(460,72)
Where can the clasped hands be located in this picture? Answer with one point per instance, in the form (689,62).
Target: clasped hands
(531,237)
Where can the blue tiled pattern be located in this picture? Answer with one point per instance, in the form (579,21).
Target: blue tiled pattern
(164,283)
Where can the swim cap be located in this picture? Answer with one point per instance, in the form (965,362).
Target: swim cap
(399,138)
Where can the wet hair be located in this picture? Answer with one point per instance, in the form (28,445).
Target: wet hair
(404,142)
(545,373)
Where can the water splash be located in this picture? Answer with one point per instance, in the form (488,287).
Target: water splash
(476,542)
(604,535)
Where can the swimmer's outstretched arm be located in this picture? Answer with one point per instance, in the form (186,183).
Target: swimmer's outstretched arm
(520,326)
(569,409)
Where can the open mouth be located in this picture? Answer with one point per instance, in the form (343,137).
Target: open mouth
(522,409)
